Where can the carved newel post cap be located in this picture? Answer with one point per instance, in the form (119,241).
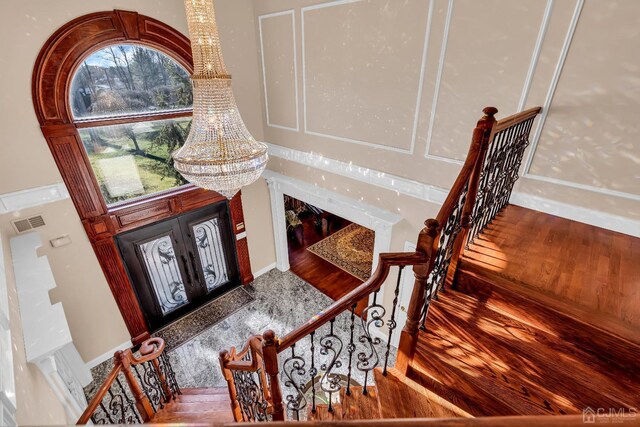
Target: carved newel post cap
(490,111)
(269,335)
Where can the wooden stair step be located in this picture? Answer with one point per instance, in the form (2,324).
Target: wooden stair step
(353,406)
(193,398)
(202,391)
(498,365)
(548,314)
(401,397)
(196,406)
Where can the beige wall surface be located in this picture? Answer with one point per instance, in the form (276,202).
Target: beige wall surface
(397,86)
(35,402)
(26,162)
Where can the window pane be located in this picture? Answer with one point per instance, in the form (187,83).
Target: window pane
(134,159)
(128,79)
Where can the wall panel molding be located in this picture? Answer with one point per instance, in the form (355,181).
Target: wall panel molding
(261,18)
(554,85)
(545,112)
(544,26)
(419,91)
(436,91)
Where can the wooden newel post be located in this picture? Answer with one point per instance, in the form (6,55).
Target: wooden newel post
(479,146)
(270,354)
(226,373)
(142,401)
(409,334)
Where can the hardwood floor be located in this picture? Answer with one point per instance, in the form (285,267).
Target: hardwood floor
(593,270)
(544,319)
(493,353)
(326,277)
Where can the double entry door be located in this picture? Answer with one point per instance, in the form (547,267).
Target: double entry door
(178,264)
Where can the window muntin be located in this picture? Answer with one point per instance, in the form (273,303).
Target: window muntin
(123,80)
(120,97)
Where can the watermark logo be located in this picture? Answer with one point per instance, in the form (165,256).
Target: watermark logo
(608,415)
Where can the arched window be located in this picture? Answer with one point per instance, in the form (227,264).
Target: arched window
(132,107)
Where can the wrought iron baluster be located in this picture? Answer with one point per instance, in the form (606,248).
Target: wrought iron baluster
(313,372)
(169,375)
(331,346)
(128,405)
(293,369)
(152,386)
(391,323)
(145,387)
(351,347)
(250,396)
(106,416)
(374,315)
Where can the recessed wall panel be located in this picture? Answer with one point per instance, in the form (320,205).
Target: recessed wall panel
(277,39)
(591,133)
(362,68)
(487,52)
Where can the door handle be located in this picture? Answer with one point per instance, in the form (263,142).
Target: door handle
(193,264)
(186,269)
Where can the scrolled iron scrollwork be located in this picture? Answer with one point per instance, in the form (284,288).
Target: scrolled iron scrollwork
(330,346)
(294,371)
(250,395)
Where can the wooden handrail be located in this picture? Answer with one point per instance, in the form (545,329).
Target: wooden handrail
(254,344)
(386,261)
(102,391)
(507,122)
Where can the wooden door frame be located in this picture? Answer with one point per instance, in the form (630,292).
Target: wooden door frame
(60,56)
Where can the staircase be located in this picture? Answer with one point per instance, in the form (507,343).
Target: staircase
(499,332)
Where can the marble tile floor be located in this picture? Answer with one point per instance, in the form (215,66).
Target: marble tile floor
(281,301)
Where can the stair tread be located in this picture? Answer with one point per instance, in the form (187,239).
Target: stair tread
(512,366)
(587,272)
(204,391)
(401,397)
(210,406)
(355,406)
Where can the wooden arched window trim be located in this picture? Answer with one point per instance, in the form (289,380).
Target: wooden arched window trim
(54,69)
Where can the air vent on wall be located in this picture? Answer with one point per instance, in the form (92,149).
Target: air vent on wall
(27,224)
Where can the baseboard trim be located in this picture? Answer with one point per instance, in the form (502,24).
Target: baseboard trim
(264,270)
(108,355)
(577,213)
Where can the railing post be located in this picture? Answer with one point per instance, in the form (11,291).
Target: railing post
(270,355)
(233,395)
(479,144)
(409,334)
(142,401)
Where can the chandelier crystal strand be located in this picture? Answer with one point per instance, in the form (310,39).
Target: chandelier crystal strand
(219,154)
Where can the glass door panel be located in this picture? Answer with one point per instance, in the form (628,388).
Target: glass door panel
(159,258)
(211,253)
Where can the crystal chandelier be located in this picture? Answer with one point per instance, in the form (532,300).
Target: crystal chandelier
(219,154)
